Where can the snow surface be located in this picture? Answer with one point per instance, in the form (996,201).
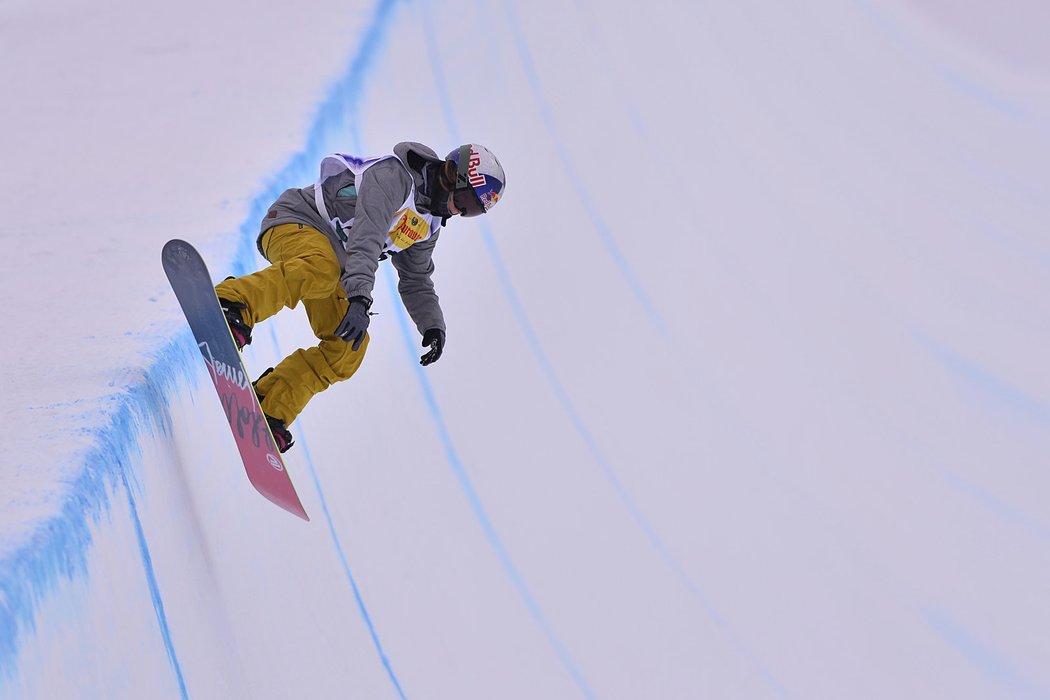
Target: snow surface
(745,394)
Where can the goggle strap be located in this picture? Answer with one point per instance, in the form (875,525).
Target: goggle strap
(463,168)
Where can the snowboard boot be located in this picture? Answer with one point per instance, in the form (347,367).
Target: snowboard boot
(281,436)
(242,333)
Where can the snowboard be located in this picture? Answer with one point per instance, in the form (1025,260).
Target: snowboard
(192,284)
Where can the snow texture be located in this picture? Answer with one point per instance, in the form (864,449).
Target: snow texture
(745,392)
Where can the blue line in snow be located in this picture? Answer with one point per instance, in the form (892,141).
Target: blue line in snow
(989,501)
(582,194)
(961,82)
(558,389)
(607,471)
(362,609)
(989,390)
(57,550)
(154,587)
(982,657)
(452,456)
(472,496)
(334,118)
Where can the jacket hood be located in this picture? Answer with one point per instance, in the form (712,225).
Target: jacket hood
(416,157)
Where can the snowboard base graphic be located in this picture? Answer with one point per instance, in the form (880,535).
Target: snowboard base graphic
(192,284)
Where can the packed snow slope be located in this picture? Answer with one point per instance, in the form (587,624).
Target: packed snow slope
(745,392)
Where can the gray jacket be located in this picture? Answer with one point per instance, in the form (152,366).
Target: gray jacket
(372,204)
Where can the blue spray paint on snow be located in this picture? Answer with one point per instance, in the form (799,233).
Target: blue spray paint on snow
(154,587)
(987,389)
(578,424)
(334,118)
(304,447)
(983,657)
(452,456)
(996,505)
(358,597)
(57,550)
(960,82)
(568,406)
(577,182)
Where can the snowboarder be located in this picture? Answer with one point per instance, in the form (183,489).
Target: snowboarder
(325,242)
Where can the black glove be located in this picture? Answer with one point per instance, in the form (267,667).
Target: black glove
(354,324)
(435,340)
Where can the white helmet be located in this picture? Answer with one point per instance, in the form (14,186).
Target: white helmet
(479,179)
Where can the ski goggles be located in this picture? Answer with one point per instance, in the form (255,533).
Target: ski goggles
(467,202)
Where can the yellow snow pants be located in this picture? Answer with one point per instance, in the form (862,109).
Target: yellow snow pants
(303,268)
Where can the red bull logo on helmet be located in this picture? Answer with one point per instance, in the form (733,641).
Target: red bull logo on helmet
(489,198)
(478,168)
(475,178)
